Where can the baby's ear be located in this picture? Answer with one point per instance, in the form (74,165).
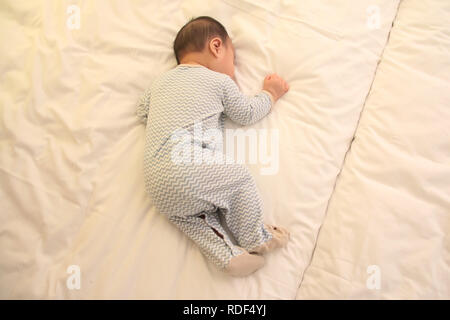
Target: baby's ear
(215,45)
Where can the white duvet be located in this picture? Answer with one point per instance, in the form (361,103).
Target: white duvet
(386,232)
(72,192)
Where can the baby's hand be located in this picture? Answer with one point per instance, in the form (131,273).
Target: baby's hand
(275,85)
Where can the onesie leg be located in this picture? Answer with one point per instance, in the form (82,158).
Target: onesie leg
(244,215)
(242,264)
(214,244)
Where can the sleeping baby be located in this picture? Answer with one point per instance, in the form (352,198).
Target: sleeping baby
(192,195)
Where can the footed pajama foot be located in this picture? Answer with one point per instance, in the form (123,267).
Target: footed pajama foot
(244,264)
(280,237)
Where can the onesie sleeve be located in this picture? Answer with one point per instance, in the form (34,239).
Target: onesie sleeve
(244,109)
(142,106)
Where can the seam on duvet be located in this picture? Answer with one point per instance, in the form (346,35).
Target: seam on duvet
(353,137)
(357,261)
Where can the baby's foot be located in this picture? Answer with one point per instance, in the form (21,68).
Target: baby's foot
(244,264)
(280,237)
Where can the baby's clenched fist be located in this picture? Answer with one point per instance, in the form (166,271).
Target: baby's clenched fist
(275,85)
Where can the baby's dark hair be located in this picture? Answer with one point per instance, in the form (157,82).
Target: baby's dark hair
(194,35)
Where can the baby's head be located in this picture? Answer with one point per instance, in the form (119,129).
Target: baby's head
(205,41)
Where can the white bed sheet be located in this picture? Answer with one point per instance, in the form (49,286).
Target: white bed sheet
(72,191)
(386,232)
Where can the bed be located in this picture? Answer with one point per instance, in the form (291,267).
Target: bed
(386,231)
(72,192)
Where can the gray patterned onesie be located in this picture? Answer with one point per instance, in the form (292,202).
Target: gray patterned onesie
(192,195)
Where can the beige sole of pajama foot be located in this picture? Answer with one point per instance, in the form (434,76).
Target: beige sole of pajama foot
(280,238)
(244,264)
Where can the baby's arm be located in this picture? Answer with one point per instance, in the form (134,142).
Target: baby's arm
(142,106)
(243,109)
(247,110)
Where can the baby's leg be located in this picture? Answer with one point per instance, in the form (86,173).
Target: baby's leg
(216,246)
(244,217)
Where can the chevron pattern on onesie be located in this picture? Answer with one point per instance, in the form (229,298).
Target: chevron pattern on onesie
(183,191)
